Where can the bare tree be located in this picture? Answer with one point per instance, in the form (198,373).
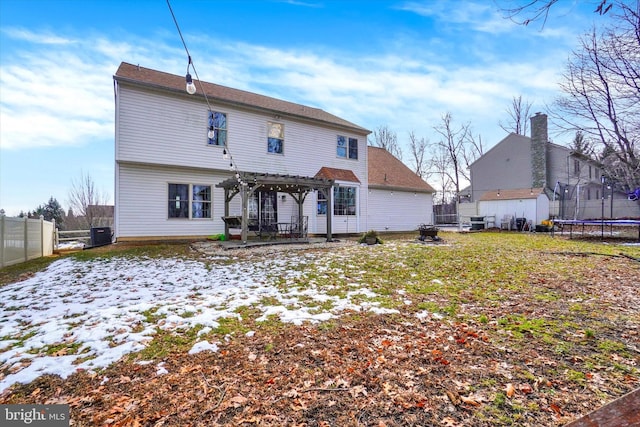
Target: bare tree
(451,154)
(418,148)
(439,166)
(86,201)
(602,93)
(519,114)
(528,11)
(473,149)
(384,137)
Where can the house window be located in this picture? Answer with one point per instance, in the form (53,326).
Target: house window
(344,200)
(217,128)
(590,176)
(347,147)
(263,207)
(322,203)
(576,167)
(201,201)
(275,138)
(589,190)
(189,201)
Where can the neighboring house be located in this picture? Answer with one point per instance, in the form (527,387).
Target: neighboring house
(534,167)
(399,200)
(182,159)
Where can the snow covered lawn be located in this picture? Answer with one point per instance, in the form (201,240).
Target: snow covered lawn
(88,314)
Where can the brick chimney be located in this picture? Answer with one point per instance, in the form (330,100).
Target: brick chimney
(539,139)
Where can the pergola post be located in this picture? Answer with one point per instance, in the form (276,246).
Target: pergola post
(226,213)
(244,194)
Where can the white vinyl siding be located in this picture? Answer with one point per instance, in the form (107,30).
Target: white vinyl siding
(161,139)
(158,129)
(398,210)
(141,204)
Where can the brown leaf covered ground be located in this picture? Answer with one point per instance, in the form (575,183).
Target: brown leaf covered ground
(491,329)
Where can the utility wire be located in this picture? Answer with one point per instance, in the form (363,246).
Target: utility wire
(231,161)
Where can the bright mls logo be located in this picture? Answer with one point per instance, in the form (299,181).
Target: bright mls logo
(34,415)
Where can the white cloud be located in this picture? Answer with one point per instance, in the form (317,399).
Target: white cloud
(37,38)
(65,96)
(483,17)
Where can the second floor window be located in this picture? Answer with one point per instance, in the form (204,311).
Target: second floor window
(347,147)
(275,138)
(576,167)
(217,128)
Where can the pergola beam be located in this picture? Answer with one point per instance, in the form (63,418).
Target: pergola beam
(245,183)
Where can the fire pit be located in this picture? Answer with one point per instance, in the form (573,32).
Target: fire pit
(428,231)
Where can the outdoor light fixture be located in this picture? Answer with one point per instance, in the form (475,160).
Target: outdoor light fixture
(191,87)
(498,193)
(211,134)
(225,154)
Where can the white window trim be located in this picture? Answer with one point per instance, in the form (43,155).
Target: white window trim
(189,201)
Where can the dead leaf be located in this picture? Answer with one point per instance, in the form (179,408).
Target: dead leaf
(238,401)
(469,401)
(299,405)
(454,397)
(510,389)
(357,390)
(61,352)
(450,422)
(526,388)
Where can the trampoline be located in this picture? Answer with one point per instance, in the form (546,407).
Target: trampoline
(611,223)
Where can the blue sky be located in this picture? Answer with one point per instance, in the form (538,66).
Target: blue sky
(401,64)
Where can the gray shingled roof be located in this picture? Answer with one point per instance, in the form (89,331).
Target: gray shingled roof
(134,74)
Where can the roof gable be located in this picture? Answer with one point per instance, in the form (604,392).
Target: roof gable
(512,138)
(337,174)
(386,171)
(160,80)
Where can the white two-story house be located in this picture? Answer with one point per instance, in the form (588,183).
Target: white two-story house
(181,159)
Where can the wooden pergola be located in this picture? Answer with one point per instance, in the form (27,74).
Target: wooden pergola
(246,183)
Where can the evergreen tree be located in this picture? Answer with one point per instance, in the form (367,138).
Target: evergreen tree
(50,211)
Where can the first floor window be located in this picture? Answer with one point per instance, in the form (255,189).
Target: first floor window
(275,138)
(178,201)
(322,203)
(201,203)
(189,201)
(263,207)
(344,202)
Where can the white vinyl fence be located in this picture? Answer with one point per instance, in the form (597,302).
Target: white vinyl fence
(22,239)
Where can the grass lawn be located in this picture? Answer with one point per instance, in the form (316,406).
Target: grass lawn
(483,329)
